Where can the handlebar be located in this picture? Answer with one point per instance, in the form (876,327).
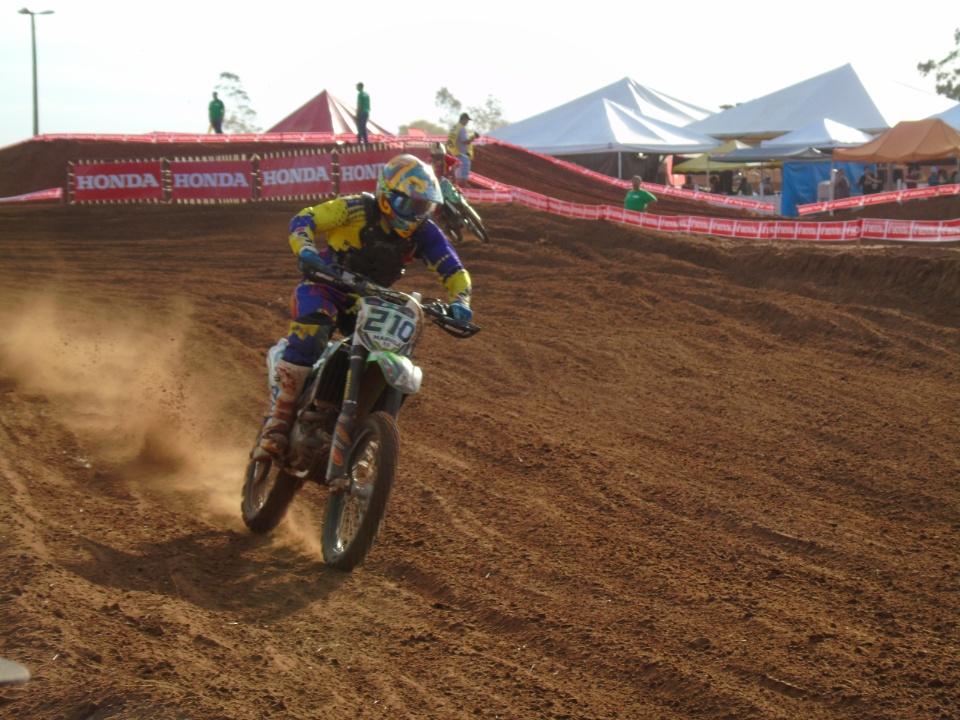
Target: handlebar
(318,271)
(439,312)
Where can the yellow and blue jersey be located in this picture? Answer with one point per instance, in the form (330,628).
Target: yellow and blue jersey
(350,221)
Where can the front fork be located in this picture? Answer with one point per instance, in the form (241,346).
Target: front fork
(453,217)
(359,374)
(342,443)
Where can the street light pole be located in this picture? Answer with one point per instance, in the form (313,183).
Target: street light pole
(33,45)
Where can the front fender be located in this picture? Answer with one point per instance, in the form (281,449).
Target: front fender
(398,370)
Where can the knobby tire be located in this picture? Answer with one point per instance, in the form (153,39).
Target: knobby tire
(263,507)
(353,517)
(474,224)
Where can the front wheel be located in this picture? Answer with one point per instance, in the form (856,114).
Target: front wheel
(474,224)
(353,516)
(267,493)
(456,234)
(452,223)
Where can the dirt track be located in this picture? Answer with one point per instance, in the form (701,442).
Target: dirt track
(672,478)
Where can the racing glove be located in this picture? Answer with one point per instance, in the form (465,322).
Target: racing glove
(308,258)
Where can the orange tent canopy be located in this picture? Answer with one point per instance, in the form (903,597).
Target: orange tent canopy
(907,141)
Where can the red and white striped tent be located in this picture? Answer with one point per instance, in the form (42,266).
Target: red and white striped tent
(325,113)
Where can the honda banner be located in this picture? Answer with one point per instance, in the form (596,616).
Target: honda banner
(359,170)
(287,176)
(211,179)
(117,181)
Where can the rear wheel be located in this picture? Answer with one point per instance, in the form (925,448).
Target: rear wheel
(353,516)
(267,493)
(474,224)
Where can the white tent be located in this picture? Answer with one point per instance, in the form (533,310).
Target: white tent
(606,129)
(626,92)
(823,133)
(842,94)
(809,143)
(598,133)
(598,125)
(951,117)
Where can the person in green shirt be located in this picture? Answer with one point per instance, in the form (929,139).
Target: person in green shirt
(363,114)
(216,111)
(638,198)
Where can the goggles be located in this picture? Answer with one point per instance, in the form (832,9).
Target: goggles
(411,208)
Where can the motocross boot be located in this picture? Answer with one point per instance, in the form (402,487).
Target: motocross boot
(290,380)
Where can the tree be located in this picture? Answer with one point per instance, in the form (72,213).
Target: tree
(488,116)
(449,107)
(947,71)
(430,128)
(240,117)
(483,118)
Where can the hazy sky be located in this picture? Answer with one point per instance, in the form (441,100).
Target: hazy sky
(106,66)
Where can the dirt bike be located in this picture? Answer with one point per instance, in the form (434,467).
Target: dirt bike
(456,214)
(344,434)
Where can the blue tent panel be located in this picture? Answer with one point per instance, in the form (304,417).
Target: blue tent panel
(800,181)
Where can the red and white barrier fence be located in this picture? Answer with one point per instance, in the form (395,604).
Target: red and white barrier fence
(850,231)
(350,169)
(51,194)
(897,196)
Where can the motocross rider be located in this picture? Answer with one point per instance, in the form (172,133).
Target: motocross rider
(445,165)
(374,236)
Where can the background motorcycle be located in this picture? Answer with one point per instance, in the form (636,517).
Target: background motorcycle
(344,435)
(456,214)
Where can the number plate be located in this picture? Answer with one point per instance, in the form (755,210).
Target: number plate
(383,325)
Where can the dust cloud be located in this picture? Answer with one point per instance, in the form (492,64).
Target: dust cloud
(123,388)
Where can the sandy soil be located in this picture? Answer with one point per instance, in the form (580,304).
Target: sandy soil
(673,477)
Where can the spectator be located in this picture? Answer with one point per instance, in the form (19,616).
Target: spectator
(913,176)
(766,186)
(841,186)
(688,183)
(744,187)
(638,198)
(934,178)
(216,111)
(363,114)
(460,145)
(714,184)
(868,182)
